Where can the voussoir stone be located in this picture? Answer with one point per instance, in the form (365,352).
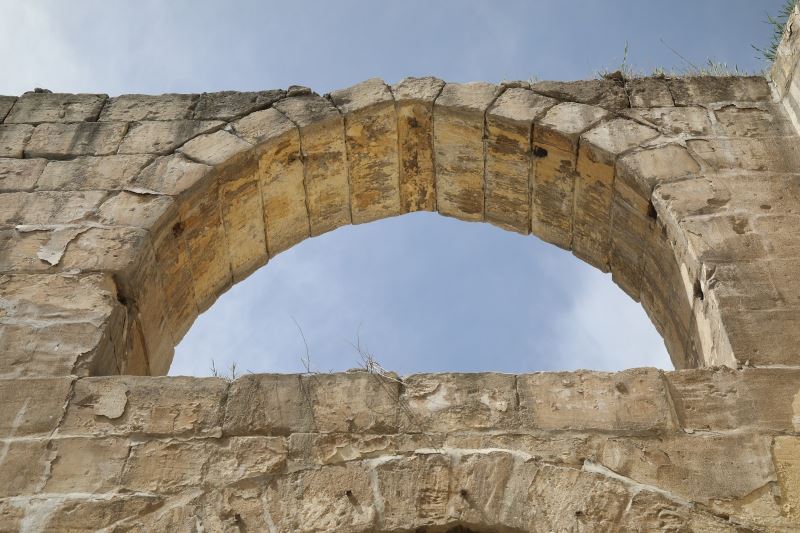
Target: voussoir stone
(162,137)
(228,105)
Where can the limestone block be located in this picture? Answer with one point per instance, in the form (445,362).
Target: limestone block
(35,108)
(47,207)
(172,259)
(760,336)
(32,406)
(594,186)
(91,173)
(6,103)
(642,170)
(324,158)
(140,107)
(786,451)
(370,122)
(648,92)
(173,175)
(711,89)
(607,94)
(215,148)
(357,401)
(692,121)
(723,467)
(62,141)
(202,229)
(25,465)
(651,511)
(414,99)
(765,400)
(162,137)
(268,404)
(88,465)
(20,174)
(243,217)
(458,402)
(262,126)
(281,181)
(125,405)
(629,401)
(228,105)
(414,489)
(343,500)
(13,138)
(458,132)
(309,450)
(554,448)
(166,467)
(105,249)
(60,513)
(555,151)
(238,460)
(743,120)
(508,158)
(146,211)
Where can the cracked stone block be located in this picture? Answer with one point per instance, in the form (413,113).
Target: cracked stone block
(508,157)
(555,152)
(13,138)
(370,122)
(142,107)
(162,137)
(6,103)
(713,89)
(322,141)
(629,401)
(31,406)
(594,186)
(458,130)
(146,211)
(454,402)
(216,148)
(281,177)
(607,94)
(92,465)
(20,174)
(173,175)
(649,92)
(741,120)
(46,208)
(691,121)
(117,406)
(228,105)
(414,99)
(36,108)
(63,141)
(91,173)
(251,400)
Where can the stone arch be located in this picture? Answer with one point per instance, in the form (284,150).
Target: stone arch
(643,192)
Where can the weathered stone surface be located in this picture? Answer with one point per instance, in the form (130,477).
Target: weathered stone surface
(215,148)
(13,138)
(62,141)
(20,174)
(91,173)
(32,406)
(6,103)
(162,137)
(50,207)
(322,143)
(555,152)
(458,132)
(748,120)
(648,92)
(35,108)
(251,400)
(508,157)
(604,93)
(141,107)
(692,121)
(370,122)
(414,99)
(709,89)
(228,105)
(131,209)
(629,401)
(170,175)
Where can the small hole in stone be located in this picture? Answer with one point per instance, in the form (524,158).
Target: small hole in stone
(698,290)
(651,211)
(177,229)
(538,151)
(463,493)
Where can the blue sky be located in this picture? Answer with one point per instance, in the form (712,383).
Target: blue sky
(423,292)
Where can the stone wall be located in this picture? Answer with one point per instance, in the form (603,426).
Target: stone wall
(121,219)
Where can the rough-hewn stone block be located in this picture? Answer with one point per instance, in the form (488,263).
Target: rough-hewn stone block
(13,138)
(6,103)
(91,173)
(711,89)
(370,122)
(648,92)
(20,174)
(47,207)
(140,107)
(63,141)
(228,105)
(458,132)
(35,108)
(414,98)
(252,401)
(162,137)
(603,93)
(32,406)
